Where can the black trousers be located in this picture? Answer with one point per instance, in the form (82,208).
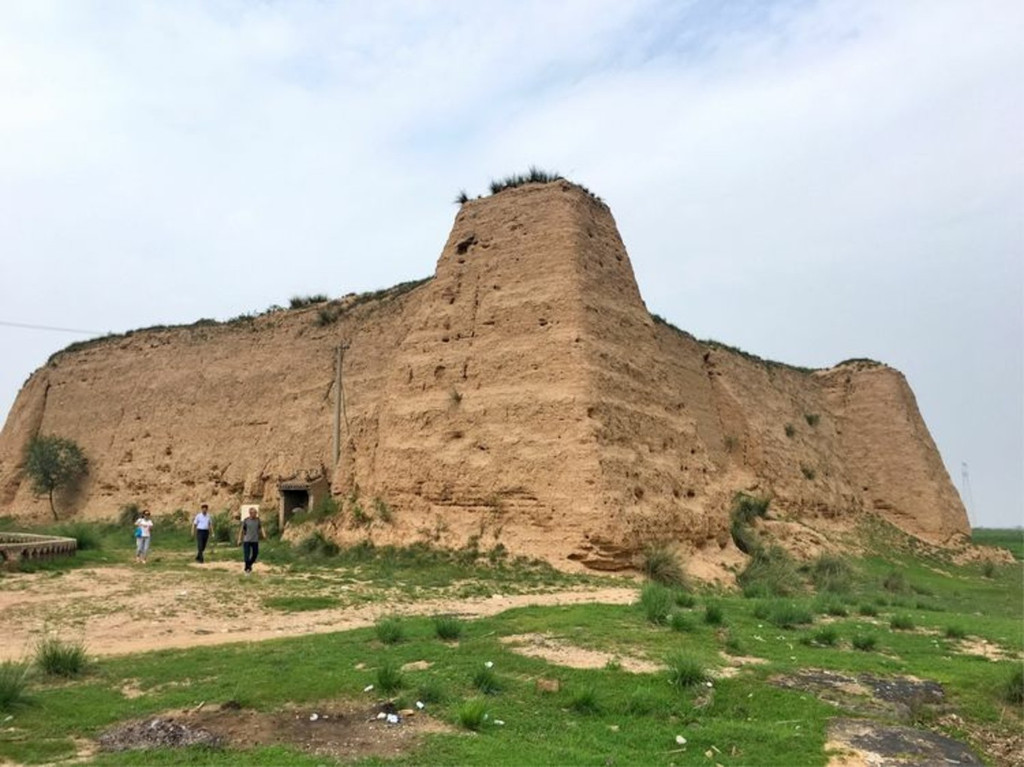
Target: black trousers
(202,538)
(250,551)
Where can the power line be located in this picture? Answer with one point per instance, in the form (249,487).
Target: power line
(50,327)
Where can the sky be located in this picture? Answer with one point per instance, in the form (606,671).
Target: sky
(807,181)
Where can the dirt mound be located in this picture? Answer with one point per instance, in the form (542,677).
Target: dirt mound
(335,728)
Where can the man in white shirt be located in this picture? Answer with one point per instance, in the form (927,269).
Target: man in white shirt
(202,526)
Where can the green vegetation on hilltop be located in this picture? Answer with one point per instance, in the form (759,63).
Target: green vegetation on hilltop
(332,312)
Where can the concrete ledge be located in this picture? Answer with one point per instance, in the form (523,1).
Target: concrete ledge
(27,547)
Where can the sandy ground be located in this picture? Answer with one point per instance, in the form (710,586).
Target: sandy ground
(128,609)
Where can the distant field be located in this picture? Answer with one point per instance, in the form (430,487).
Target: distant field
(1011,538)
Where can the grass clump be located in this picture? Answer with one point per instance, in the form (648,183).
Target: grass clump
(896,582)
(713,614)
(745,509)
(812,419)
(223,527)
(832,574)
(534,176)
(127,514)
(389,677)
(685,671)
(661,564)
(13,685)
(831,606)
(1013,688)
(790,430)
(486,681)
(684,599)
(642,702)
(472,714)
(826,636)
(788,615)
(681,622)
(389,629)
(359,516)
(325,508)
(87,536)
(901,623)
(956,632)
(868,610)
(298,302)
(431,691)
(770,572)
(656,601)
(447,627)
(316,546)
(864,642)
(55,657)
(733,645)
(383,511)
(584,701)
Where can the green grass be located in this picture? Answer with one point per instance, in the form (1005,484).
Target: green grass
(389,629)
(14,678)
(389,677)
(681,622)
(714,614)
(864,642)
(1011,539)
(770,572)
(585,701)
(901,622)
(599,712)
(472,714)
(686,671)
(832,574)
(55,657)
(486,681)
(657,602)
(298,603)
(1013,687)
(661,564)
(826,636)
(447,627)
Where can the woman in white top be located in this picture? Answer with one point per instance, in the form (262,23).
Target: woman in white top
(143,530)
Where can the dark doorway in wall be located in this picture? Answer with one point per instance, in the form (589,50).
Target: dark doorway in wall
(294,499)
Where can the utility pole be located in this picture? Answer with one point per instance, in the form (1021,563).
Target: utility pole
(965,491)
(339,401)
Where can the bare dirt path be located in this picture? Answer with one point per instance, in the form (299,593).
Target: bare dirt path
(127,609)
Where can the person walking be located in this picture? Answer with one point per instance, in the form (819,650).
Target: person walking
(143,535)
(202,528)
(249,535)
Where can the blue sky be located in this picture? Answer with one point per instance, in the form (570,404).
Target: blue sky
(809,181)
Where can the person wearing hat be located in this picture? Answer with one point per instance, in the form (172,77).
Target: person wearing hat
(202,527)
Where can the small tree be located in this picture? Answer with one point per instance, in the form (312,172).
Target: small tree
(53,462)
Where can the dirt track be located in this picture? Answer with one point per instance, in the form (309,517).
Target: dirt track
(126,609)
